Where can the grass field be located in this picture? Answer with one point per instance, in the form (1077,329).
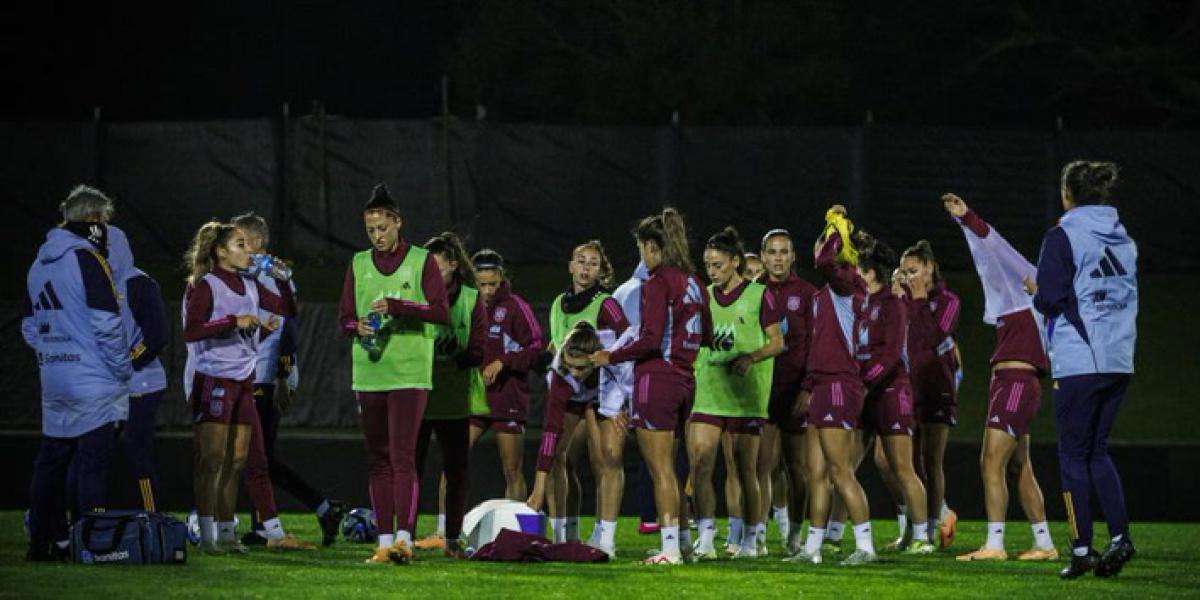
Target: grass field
(1167,566)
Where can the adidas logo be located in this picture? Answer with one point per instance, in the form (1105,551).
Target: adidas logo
(895,426)
(828,418)
(47,299)
(1109,266)
(996,419)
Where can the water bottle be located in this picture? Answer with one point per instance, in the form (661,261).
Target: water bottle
(370,342)
(273,267)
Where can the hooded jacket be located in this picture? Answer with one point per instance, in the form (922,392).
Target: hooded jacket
(1087,289)
(143,315)
(72,321)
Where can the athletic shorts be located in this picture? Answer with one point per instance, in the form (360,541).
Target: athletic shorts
(224,401)
(779,408)
(933,403)
(739,425)
(837,402)
(577,408)
(889,410)
(1014,398)
(487,423)
(662,399)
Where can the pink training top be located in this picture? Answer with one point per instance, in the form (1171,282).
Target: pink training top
(794,297)
(563,390)
(931,326)
(882,331)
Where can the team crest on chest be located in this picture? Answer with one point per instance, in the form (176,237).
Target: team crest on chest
(500,314)
(875,313)
(793,303)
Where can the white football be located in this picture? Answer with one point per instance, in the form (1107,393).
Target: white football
(484,522)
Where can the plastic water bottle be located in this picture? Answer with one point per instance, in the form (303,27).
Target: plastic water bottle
(374,321)
(265,263)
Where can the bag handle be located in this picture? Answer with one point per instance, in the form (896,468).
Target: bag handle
(90,524)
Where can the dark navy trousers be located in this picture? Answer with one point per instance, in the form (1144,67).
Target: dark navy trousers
(137,441)
(69,474)
(1085,408)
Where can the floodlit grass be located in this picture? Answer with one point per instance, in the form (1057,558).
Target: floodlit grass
(1166,566)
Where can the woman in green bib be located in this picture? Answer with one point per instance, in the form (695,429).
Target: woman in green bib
(392,294)
(733,385)
(458,390)
(586,300)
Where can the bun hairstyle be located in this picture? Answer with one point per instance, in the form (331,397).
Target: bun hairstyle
(923,252)
(1090,182)
(875,255)
(728,241)
(670,233)
(488,260)
(606,268)
(582,340)
(451,247)
(201,256)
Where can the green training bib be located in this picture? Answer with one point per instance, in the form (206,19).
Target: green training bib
(736,331)
(404,359)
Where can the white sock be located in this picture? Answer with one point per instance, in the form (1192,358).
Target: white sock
(208,530)
(836,528)
(386,540)
(226,531)
(995,537)
(816,537)
(1080,550)
(708,531)
(902,518)
(608,534)
(572,529)
(921,531)
(404,536)
(441,525)
(945,510)
(737,528)
(273,529)
(670,541)
(782,520)
(323,508)
(862,537)
(558,529)
(1041,536)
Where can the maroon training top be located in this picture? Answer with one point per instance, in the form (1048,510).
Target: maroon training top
(794,297)
(881,334)
(675,320)
(514,337)
(829,351)
(931,326)
(200,324)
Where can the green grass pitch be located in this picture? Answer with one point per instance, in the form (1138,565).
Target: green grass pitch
(1166,566)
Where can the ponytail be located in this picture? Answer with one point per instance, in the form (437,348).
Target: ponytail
(670,233)
(451,248)
(201,256)
(923,252)
(729,242)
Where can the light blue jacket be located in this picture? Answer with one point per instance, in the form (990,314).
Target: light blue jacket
(82,352)
(152,377)
(1087,288)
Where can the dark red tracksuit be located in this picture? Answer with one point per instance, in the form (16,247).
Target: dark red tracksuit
(794,296)
(514,337)
(558,404)
(391,420)
(675,322)
(453,435)
(200,324)
(882,335)
(832,371)
(1014,395)
(933,362)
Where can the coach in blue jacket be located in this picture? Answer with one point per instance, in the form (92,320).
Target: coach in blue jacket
(73,323)
(1087,290)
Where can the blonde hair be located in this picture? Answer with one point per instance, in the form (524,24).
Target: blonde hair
(606,268)
(201,256)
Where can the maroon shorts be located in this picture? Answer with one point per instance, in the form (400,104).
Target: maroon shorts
(935,402)
(662,399)
(498,425)
(779,409)
(220,400)
(577,408)
(1014,398)
(739,425)
(837,402)
(889,410)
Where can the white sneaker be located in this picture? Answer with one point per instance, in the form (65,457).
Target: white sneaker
(800,556)
(662,559)
(744,552)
